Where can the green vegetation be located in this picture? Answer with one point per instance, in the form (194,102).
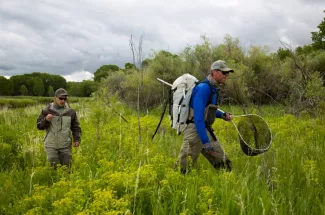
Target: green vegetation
(261,77)
(112,173)
(43,84)
(105,71)
(6,86)
(36,83)
(24,101)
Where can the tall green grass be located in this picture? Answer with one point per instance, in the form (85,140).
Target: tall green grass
(113,173)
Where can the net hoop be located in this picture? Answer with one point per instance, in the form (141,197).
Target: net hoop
(246,148)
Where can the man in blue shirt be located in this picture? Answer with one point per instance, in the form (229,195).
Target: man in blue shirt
(198,135)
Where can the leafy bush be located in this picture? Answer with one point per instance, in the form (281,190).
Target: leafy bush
(16,103)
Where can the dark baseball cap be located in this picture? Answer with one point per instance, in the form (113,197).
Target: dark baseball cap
(61,92)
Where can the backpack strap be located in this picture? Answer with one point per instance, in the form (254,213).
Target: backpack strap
(210,98)
(211,91)
(168,101)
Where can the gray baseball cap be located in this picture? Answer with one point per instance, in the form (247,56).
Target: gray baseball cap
(221,65)
(61,92)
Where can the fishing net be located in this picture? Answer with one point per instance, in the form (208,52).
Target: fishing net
(254,134)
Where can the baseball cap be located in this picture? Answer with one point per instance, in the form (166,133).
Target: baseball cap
(61,92)
(221,65)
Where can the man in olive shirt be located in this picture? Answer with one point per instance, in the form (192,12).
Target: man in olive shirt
(58,119)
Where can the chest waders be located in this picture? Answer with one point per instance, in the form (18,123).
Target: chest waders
(210,116)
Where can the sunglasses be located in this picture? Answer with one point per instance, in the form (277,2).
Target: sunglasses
(63,98)
(224,73)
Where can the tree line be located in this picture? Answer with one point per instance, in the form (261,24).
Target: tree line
(43,84)
(293,77)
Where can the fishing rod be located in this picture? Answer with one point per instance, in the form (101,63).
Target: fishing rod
(164,82)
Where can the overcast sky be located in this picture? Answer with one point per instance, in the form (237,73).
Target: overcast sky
(73,38)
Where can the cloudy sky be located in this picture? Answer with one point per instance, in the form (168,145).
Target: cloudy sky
(73,38)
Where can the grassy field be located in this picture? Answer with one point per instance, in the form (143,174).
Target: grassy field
(116,172)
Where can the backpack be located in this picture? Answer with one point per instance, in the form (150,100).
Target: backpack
(179,102)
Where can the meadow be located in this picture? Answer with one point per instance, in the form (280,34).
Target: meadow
(117,171)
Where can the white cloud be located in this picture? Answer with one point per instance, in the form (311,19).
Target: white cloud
(79,76)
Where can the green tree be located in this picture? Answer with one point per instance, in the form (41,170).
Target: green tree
(229,50)
(318,38)
(316,63)
(50,91)
(6,86)
(18,81)
(129,66)
(56,81)
(29,82)
(89,87)
(166,66)
(82,89)
(203,57)
(146,62)
(283,53)
(38,88)
(104,71)
(304,50)
(23,90)
(114,84)
(262,77)
(75,89)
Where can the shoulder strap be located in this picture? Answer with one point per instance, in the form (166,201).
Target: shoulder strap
(210,98)
(211,91)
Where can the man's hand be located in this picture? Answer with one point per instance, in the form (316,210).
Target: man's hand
(49,117)
(75,144)
(209,149)
(227,116)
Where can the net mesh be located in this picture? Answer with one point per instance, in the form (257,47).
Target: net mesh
(254,134)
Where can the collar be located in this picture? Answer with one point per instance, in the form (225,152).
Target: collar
(212,81)
(56,106)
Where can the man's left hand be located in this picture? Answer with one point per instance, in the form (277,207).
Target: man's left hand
(210,149)
(75,144)
(227,116)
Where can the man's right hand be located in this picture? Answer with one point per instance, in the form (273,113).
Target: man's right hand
(49,117)
(209,149)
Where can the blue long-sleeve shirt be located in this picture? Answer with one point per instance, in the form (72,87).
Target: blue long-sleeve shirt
(200,97)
